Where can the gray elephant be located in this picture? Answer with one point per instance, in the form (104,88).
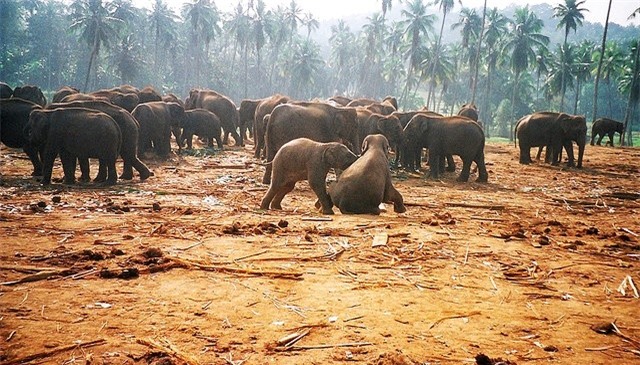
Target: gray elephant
(605,126)
(247,112)
(146,95)
(172,98)
(157,121)
(372,123)
(304,159)
(5,91)
(259,127)
(317,121)
(367,182)
(554,131)
(340,100)
(221,106)
(14,117)
(386,107)
(31,93)
(130,130)
(447,136)
(470,111)
(75,133)
(127,101)
(63,92)
(202,123)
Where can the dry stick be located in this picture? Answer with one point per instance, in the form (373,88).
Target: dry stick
(55,351)
(475,206)
(487,219)
(605,348)
(251,255)
(317,219)
(235,270)
(474,313)
(317,347)
(169,349)
(31,278)
(27,269)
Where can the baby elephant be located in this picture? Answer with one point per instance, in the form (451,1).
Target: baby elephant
(202,123)
(304,159)
(367,183)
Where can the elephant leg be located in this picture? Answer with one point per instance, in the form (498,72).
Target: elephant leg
(394,196)
(84,169)
(284,190)
(127,169)
(568,146)
(466,169)
(483,176)
(611,138)
(69,166)
(434,164)
(112,174)
(441,164)
(600,137)
(593,138)
(540,153)
(268,197)
(103,172)
(48,157)
(318,185)
(451,165)
(219,142)
(525,157)
(266,179)
(34,156)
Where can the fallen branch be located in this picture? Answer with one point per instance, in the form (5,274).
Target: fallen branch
(27,269)
(416,204)
(55,351)
(317,219)
(318,347)
(237,270)
(474,313)
(475,206)
(623,195)
(35,277)
(169,349)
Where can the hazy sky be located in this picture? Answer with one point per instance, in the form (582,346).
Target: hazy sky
(335,9)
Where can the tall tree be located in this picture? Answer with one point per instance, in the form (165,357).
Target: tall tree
(343,52)
(524,39)
(570,15)
(631,81)
(163,25)
(445,7)
(203,18)
(496,31)
(477,56)
(602,49)
(417,25)
(583,67)
(310,23)
(97,27)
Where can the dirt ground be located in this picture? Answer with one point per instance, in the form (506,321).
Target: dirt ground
(532,267)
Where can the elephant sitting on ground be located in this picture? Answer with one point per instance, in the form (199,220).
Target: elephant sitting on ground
(605,126)
(14,117)
(317,121)
(367,182)
(554,131)
(445,136)
(130,130)
(304,159)
(221,106)
(202,123)
(75,133)
(157,120)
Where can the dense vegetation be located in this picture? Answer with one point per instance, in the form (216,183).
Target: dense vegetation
(508,67)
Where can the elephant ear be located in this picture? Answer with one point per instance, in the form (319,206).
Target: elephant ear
(424,126)
(329,157)
(365,146)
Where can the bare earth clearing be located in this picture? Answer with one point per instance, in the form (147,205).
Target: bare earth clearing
(521,268)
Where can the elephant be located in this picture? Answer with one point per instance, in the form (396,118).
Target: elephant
(83,97)
(304,159)
(317,121)
(340,100)
(384,108)
(367,182)
(63,92)
(411,155)
(470,111)
(387,125)
(259,127)
(555,131)
(157,120)
(127,101)
(31,93)
(247,112)
(130,130)
(5,91)
(447,136)
(147,94)
(172,98)
(14,117)
(221,106)
(202,123)
(605,126)
(126,89)
(75,133)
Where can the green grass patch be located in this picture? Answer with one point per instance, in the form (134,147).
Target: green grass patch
(501,140)
(200,152)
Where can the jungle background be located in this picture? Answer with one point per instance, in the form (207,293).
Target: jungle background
(438,54)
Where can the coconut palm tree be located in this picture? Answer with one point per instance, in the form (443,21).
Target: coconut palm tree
(203,18)
(292,17)
(495,33)
(524,39)
(630,82)
(163,23)
(310,23)
(570,15)
(612,67)
(305,68)
(602,49)
(96,26)
(583,67)
(417,25)
(445,7)
(343,51)
(561,73)
(372,35)
(543,60)
(470,26)
(477,56)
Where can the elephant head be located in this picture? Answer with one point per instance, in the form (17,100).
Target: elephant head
(390,100)
(127,101)
(390,127)
(31,93)
(346,127)
(375,140)
(338,156)
(177,114)
(190,102)
(37,128)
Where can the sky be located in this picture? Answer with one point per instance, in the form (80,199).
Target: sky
(336,9)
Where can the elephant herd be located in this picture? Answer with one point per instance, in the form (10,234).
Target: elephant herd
(300,140)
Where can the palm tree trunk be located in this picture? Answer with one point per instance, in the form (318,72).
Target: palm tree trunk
(94,52)
(633,99)
(477,59)
(487,101)
(563,87)
(602,47)
(434,62)
(513,100)
(575,102)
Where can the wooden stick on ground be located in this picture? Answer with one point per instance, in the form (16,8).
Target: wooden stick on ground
(329,346)
(170,350)
(474,313)
(56,351)
(236,270)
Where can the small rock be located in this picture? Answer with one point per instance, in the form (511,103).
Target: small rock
(283,224)
(156,206)
(56,199)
